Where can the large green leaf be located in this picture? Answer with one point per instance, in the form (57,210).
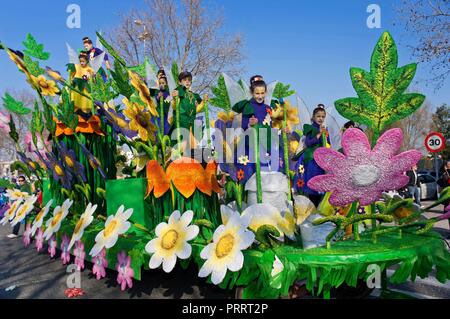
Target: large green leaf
(14,106)
(101,90)
(68,115)
(111,50)
(282,91)
(35,49)
(381,99)
(221,99)
(32,66)
(120,77)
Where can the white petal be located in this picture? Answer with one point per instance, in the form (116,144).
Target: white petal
(155,261)
(218,232)
(151,246)
(185,252)
(192,232)
(96,249)
(174,217)
(246,239)
(160,228)
(111,241)
(205,270)
(237,262)
(169,263)
(218,274)
(186,218)
(206,252)
(127,214)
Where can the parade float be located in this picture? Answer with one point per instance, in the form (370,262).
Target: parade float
(244,227)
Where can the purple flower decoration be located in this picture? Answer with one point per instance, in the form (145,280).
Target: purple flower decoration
(95,164)
(125,272)
(79,255)
(362,174)
(27,235)
(59,173)
(239,173)
(100,262)
(52,246)
(117,121)
(39,239)
(65,253)
(32,166)
(69,159)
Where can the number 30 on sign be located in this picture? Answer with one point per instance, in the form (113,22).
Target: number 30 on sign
(435,142)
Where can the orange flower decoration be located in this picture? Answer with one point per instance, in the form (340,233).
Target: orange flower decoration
(186,174)
(92,125)
(300,183)
(240,174)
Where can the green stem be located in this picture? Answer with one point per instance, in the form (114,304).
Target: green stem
(177,120)
(207,124)
(286,152)
(258,168)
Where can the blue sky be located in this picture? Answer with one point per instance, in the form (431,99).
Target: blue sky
(308,44)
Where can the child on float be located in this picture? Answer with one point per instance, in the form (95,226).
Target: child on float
(316,135)
(161,95)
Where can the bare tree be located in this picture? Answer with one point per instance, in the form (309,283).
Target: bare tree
(179,31)
(428,21)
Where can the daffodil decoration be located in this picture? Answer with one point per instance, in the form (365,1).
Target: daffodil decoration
(115,225)
(54,223)
(139,120)
(225,252)
(85,220)
(47,87)
(11,212)
(40,217)
(14,194)
(172,241)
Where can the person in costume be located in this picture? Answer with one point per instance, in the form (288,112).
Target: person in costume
(162,95)
(189,105)
(94,52)
(80,74)
(316,135)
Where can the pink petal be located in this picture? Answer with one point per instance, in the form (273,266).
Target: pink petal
(328,158)
(395,182)
(389,143)
(404,161)
(370,198)
(355,143)
(322,183)
(342,197)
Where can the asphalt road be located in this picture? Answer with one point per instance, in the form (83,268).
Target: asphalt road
(25,273)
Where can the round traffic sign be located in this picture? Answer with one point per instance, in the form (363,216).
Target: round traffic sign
(435,142)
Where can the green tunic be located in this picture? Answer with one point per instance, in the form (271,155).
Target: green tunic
(187,107)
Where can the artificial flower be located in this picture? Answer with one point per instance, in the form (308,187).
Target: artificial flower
(100,262)
(93,161)
(171,241)
(115,225)
(140,120)
(11,212)
(278,116)
(14,194)
(27,235)
(144,92)
(125,273)
(225,252)
(79,254)
(69,159)
(243,160)
(39,239)
(74,292)
(52,246)
(85,220)
(24,210)
(40,217)
(47,87)
(54,223)
(59,172)
(362,174)
(303,207)
(65,252)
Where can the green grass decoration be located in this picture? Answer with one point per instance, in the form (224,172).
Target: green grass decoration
(14,106)
(35,49)
(381,100)
(101,91)
(120,77)
(111,50)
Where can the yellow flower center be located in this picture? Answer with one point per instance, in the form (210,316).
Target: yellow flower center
(78,226)
(111,227)
(39,216)
(22,210)
(402,212)
(43,83)
(57,218)
(224,246)
(169,239)
(69,161)
(33,165)
(59,170)
(120,122)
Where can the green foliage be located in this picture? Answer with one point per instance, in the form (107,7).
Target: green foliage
(175,71)
(5,183)
(12,130)
(140,69)
(35,49)
(101,91)
(14,106)
(50,125)
(32,66)
(266,235)
(381,100)
(68,115)
(120,77)
(221,99)
(21,167)
(37,125)
(111,50)
(282,91)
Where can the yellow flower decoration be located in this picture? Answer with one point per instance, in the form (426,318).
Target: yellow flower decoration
(278,116)
(47,87)
(144,92)
(139,120)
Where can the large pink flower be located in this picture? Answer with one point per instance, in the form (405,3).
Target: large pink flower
(65,252)
(52,246)
(39,239)
(100,262)
(125,272)
(362,174)
(27,235)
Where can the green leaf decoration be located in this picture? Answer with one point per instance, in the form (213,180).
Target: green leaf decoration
(50,125)
(221,99)
(14,106)
(266,236)
(12,130)
(36,125)
(175,71)
(32,66)
(120,77)
(381,100)
(6,184)
(101,91)
(282,91)
(35,49)
(21,167)
(140,69)
(111,50)
(67,115)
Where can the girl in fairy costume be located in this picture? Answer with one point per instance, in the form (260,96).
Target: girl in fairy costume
(316,135)
(161,95)
(189,105)
(80,73)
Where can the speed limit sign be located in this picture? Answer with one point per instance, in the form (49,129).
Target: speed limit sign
(435,142)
